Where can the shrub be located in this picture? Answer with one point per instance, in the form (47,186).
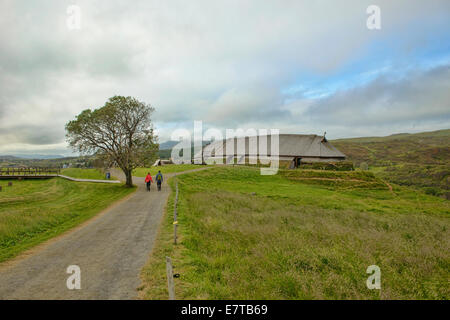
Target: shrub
(335,166)
(432,191)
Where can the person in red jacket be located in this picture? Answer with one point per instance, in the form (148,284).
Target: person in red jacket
(148,181)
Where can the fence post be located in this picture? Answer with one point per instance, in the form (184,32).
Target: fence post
(175,224)
(176,193)
(170,284)
(175,214)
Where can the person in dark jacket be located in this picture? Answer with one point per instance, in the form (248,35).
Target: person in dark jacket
(159,180)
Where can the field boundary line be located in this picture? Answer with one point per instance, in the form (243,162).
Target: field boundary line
(87,180)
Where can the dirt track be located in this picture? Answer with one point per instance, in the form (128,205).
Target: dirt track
(110,250)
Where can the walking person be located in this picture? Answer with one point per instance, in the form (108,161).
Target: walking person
(159,180)
(148,181)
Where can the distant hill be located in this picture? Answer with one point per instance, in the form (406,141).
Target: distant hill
(11,158)
(420,159)
(31,156)
(165,148)
(168,145)
(439,135)
(424,148)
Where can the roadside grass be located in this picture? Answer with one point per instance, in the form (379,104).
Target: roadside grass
(81,173)
(169,168)
(247,236)
(32,211)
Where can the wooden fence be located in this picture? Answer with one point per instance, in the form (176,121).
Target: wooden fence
(23,172)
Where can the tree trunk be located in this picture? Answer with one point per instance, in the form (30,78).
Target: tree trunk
(128,175)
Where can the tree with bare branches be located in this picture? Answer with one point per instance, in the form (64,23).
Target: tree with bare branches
(121,131)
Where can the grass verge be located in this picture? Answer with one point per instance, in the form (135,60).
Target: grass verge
(32,211)
(247,236)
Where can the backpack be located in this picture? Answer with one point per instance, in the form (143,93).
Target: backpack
(158,177)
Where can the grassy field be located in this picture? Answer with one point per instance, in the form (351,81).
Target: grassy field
(247,236)
(32,211)
(170,168)
(420,160)
(81,173)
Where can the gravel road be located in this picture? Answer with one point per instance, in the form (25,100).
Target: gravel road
(110,250)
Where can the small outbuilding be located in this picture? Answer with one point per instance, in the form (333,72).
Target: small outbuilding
(162,162)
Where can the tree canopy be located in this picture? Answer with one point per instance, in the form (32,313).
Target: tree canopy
(121,132)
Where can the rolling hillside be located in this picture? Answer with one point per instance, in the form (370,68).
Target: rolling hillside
(421,160)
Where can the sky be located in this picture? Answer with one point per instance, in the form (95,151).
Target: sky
(293,65)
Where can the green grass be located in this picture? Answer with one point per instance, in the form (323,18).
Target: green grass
(170,168)
(247,236)
(81,173)
(32,211)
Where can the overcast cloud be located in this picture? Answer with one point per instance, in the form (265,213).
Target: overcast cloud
(300,66)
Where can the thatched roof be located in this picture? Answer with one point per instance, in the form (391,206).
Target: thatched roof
(295,145)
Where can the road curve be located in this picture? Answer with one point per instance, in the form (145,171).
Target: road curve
(110,250)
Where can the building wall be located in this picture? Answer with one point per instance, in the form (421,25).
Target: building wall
(283,161)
